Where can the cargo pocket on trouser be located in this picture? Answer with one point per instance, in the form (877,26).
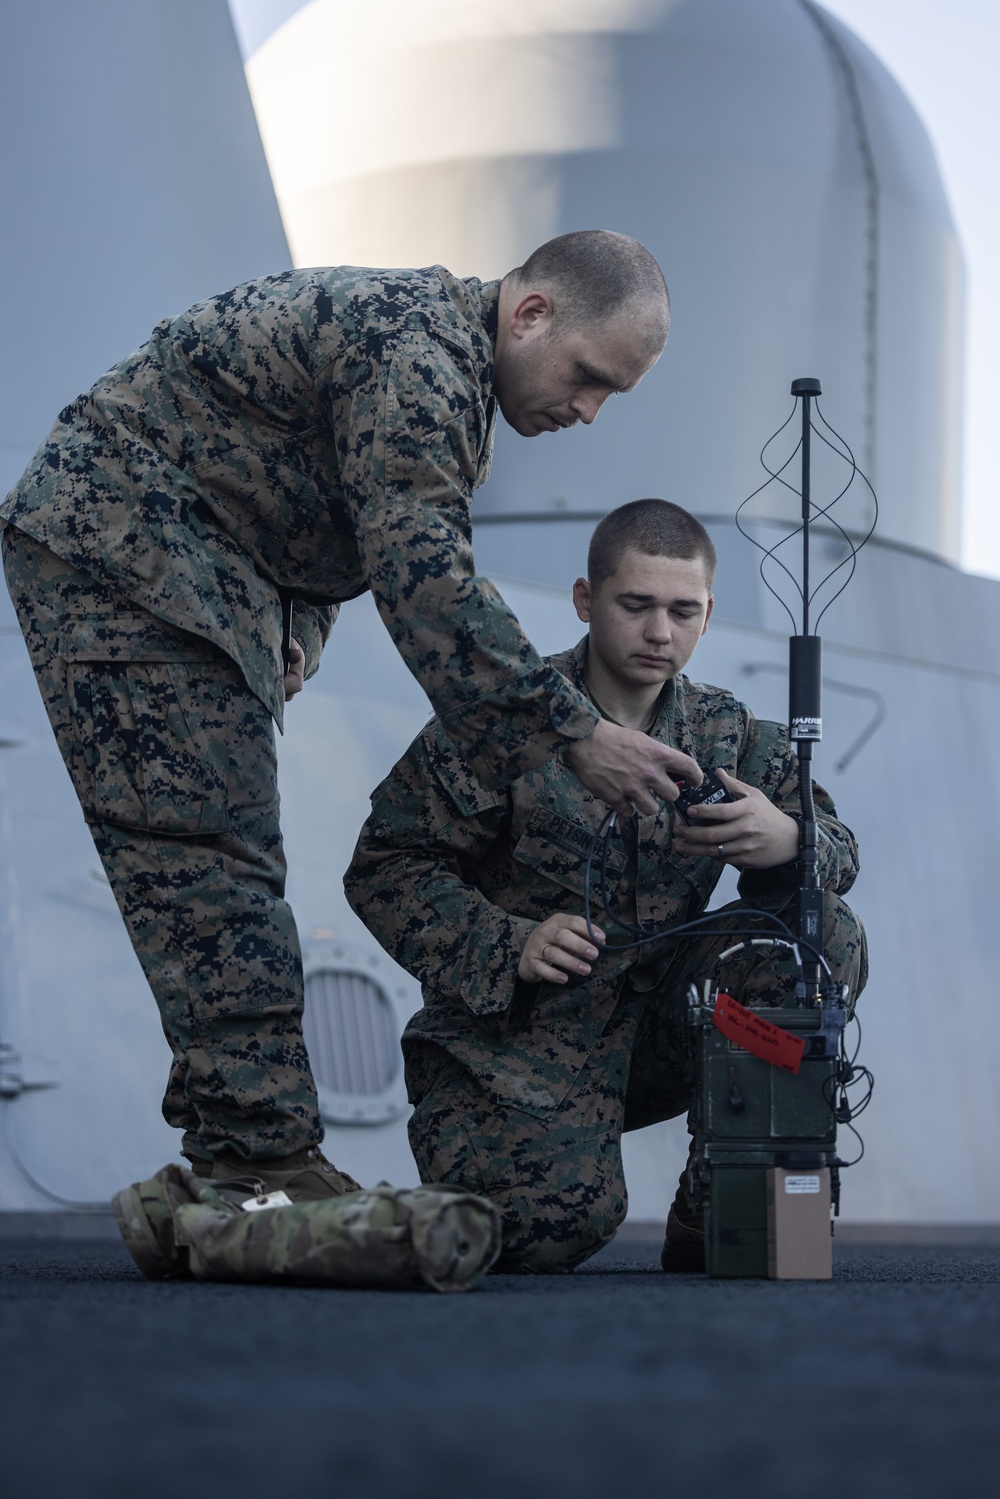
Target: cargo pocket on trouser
(457,1135)
(150,707)
(174,763)
(530,1169)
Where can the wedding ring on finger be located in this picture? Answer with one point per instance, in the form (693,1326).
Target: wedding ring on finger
(722,850)
(544,951)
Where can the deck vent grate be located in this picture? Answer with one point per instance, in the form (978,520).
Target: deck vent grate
(350,1031)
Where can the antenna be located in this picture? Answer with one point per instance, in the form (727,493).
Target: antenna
(805,714)
(805,671)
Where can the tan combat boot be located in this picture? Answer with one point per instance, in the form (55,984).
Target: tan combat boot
(306,1176)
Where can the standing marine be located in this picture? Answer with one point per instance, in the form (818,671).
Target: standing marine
(177,550)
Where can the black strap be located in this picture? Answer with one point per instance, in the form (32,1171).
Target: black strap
(286,630)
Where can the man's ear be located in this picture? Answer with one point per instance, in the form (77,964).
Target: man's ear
(708,612)
(531,315)
(581,599)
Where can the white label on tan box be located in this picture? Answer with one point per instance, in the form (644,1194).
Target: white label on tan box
(801,1183)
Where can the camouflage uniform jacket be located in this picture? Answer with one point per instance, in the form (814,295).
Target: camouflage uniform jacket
(319,432)
(451,877)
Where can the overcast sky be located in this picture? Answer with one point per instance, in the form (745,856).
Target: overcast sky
(944,53)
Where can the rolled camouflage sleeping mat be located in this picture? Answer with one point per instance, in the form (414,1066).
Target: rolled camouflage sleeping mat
(177,1225)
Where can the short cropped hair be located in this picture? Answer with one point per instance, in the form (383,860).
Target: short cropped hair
(594,274)
(657,527)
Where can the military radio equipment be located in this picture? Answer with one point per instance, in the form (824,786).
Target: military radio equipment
(710,792)
(765,1130)
(771,1082)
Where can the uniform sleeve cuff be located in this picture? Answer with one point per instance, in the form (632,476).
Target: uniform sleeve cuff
(491,966)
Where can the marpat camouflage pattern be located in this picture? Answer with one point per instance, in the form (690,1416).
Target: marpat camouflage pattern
(173,759)
(522,1091)
(319,432)
(305,437)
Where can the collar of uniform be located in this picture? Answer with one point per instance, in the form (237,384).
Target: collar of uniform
(479,303)
(490,313)
(573,664)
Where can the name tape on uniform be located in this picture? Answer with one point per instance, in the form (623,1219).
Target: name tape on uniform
(764,1040)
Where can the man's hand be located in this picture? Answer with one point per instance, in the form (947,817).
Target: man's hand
(296,673)
(558,946)
(750,833)
(627,769)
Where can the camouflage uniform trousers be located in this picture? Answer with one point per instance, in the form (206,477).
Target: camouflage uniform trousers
(557,1179)
(173,759)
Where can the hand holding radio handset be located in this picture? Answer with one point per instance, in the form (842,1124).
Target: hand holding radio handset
(634,773)
(721,817)
(726,819)
(628,769)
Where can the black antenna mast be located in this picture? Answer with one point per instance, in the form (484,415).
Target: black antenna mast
(805,715)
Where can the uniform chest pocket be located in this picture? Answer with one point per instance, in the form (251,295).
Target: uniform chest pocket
(556,849)
(151,710)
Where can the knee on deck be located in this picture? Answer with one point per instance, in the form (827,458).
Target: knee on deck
(549,1235)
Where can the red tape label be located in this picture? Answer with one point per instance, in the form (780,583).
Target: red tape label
(764,1040)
